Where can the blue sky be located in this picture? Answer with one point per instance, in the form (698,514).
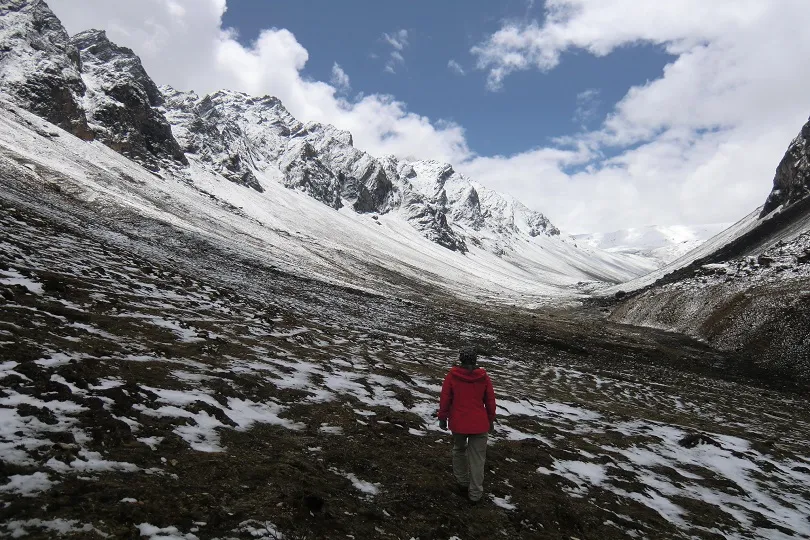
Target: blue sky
(528,112)
(602,114)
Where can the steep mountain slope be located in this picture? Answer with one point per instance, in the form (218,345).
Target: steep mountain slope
(300,188)
(748,289)
(792,180)
(121,103)
(39,68)
(288,228)
(662,244)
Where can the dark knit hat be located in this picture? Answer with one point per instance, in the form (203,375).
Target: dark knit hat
(467,356)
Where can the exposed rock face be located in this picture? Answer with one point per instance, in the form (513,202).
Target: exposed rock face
(431,220)
(369,183)
(39,68)
(122,103)
(306,172)
(213,128)
(474,206)
(539,224)
(792,179)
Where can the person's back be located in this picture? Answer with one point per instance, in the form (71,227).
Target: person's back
(468,403)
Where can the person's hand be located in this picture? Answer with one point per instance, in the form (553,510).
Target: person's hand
(492,426)
(443,424)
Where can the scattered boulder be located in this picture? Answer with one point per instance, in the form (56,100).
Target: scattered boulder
(691,440)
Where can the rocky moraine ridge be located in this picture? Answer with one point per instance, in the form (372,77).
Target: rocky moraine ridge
(96,89)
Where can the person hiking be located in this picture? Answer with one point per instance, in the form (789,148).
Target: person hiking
(468,403)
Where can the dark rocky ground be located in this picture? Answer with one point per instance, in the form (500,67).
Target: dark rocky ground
(153,385)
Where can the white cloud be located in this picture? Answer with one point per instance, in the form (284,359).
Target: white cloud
(340,79)
(183,43)
(455,67)
(699,144)
(398,41)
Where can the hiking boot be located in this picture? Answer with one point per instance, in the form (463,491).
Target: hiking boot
(476,502)
(462,490)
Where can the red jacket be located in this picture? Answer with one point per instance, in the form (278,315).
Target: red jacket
(468,401)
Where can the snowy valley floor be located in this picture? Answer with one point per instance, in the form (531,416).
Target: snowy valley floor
(188,394)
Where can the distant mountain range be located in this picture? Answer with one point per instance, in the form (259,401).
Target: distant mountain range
(661,243)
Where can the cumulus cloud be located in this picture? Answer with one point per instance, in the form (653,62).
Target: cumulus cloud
(340,79)
(699,144)
(455,67)
(183,43)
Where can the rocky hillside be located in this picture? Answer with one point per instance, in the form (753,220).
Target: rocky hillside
(791,182)
(747,290)
(40,69)
(121,103)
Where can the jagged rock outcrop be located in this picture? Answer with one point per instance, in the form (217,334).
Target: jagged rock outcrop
(215,129)
(792,180)
(371,184)
(474,206)
(40,70)
(539,224)
(431,220)
(303,170)
(122,103)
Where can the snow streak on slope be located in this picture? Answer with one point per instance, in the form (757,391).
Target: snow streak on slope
(298,233)
(662,244)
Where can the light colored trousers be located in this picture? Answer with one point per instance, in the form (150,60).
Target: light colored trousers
(469,455)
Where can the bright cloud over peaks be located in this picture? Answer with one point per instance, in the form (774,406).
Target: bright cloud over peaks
(694,141)
(207,57)
(697,144)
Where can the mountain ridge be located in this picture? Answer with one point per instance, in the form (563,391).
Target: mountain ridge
(254,142)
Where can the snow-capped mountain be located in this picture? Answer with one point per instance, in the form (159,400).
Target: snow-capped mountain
(281,181)
(121,103)
(40,70)
(240,136)
(663,244)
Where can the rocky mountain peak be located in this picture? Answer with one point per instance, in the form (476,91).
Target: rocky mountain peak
(326,131)
(122,103)
(792,179)
(96,49)
(40,70)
